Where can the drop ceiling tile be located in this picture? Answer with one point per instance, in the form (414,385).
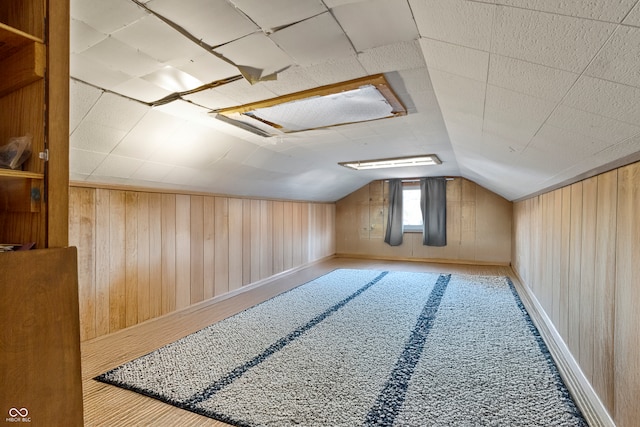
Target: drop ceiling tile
(82,98)
(605,98)
(106,17)
(336,3)
(600,10)
(634,17)
(180,176)
(592,125)
(456,59)
(207,68)
(157,40)
(258,52)
(95,73)
(458,94)
(116,112)
(77,177)
(291,80)
(556,41)
(117,167)
(514,115)
(529,78)
(244,92)
(314,40)
(466,23)
(115,55)
(154,172)
(173,79)
(211,99)
(562,147)
(141,90)
(619,59)
(84,162)
(396,57)
(91,136)
(83,36)
(336,71)
(377,23)
(153,130)
(189,112)
(213,21)
(277,13)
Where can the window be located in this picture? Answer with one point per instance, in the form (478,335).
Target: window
(411,212)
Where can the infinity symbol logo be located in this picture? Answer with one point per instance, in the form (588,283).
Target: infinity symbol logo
(15,412)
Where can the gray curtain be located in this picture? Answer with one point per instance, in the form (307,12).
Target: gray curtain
(433,202)
(393,235)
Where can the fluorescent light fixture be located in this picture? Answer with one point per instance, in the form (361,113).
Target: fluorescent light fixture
(396,162)
(359,100)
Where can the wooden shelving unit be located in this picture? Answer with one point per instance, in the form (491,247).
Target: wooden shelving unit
(39,337)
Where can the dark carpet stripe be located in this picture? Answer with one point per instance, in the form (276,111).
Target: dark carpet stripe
(236,373)
(391,398)
(560,385)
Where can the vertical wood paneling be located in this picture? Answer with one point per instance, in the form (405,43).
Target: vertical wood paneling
(183,251)
(168,253)
(556,248)
(604,287)
(209,250)
(627,315)
(131,258)
(197,249)
(117,262)
(235,243)
(145,254)
(221,245)
(587,271)
(155,255)
(595,309)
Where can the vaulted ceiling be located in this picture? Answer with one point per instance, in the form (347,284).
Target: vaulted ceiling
(516,95)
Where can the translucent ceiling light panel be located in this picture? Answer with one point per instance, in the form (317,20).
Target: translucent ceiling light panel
(396,162)
(355,101)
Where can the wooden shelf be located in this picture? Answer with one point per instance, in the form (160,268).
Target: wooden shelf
(22,59)
(14,174)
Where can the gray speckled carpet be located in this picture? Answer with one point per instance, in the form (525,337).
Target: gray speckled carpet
(362,347)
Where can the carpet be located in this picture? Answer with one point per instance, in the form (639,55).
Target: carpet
(363,347)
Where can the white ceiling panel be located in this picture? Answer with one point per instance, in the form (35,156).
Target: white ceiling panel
(188,111)
(336,71)
(462,22)
(116,112)
(592,125)
(214,21)
(619,59)
(140,89)
(377,23)
(634,17)
(455,59)
(599,10)
(277,13)
(529,78)
(560,148)
(91,136)
(458,93)
(106,17)
(294,79)
(396,57)
(180,176)
(153,172)
(145,33)
(82,97)
(115,55)
(117,167)
(556,41)
(84,162)
(211,99)
(605,98)
(94,72)
(314,41)
(243,92)
(83,36)
(207,67)
(173,79)
(153,130)
(258,52)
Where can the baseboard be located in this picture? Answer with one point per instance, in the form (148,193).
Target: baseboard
(579,386)
(432,260)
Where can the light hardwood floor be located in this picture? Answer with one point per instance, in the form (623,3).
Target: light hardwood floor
(106,405)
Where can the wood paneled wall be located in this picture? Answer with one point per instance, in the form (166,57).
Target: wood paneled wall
(478,226)
(578,250)
(145,254)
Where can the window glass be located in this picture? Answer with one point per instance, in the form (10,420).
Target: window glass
(411,213)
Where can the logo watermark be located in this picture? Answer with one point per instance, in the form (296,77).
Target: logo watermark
(18,415)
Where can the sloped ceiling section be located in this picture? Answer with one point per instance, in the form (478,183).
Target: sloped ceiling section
(517,95)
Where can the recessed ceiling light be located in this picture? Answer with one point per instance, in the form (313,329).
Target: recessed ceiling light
(396,162)
(360,100)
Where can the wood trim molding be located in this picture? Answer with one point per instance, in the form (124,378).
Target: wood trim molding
(430,260)
(581,390)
